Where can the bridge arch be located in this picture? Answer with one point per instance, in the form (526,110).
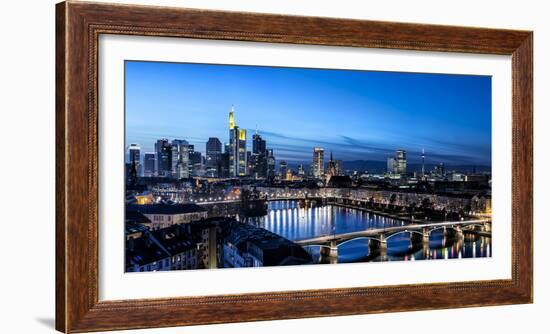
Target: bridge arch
(444,228)
(439,228)
(402,232)
(319,245)
(358,238)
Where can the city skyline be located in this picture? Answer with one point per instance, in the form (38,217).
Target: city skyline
(471,118)
(238,166)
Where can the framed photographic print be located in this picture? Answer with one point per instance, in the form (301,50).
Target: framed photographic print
(222,166)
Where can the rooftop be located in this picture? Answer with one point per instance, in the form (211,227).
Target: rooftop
(135,217)
(158,245)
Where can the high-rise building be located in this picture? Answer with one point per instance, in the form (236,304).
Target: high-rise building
(134,157)
(195,160)
(213,146)
(318,165)
(390,165)
(237,146)
(223,169)
(258,164)
(282,169)
(270,164)
(213,156)
(180,158)
(258,144)
(163,150)
(439,170)
(400,166)
(252,160)
(149,161)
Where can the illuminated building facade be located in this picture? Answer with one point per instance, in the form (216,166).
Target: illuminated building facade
(318,168)
(270,164)
(163,150)
(237,148)
(400,162)
(283,167)
(180,158)
(390,165)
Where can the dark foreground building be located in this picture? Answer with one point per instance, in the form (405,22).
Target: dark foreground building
(250,246)
(207,243)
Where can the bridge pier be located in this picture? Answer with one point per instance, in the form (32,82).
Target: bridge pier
(425,235)
(333,249)
(330,251)
(426,248)
(378,245)
(383,251)
(458,230)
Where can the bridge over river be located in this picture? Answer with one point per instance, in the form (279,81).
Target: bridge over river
(378,237)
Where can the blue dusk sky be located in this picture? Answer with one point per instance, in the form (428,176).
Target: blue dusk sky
(358,115)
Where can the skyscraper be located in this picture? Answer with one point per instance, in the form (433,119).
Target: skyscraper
(250,163)
(258,159)
(390,167)
(439,170)
(223,170)
(318,165)
(195,160)
(134,157)
(400,162)
(270,164)
(237,148)
(282,169)
(163,150)
(213,156)
(180,167)
(258,144)
(149,164)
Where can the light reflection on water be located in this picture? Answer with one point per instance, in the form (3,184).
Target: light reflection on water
(287,219)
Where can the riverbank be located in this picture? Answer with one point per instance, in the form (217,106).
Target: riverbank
(402,217)
(405,218)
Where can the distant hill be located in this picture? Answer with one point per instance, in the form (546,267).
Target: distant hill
(380,167)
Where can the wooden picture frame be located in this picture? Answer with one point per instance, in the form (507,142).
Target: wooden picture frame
(78,26)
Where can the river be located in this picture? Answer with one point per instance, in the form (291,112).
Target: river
(287,219)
